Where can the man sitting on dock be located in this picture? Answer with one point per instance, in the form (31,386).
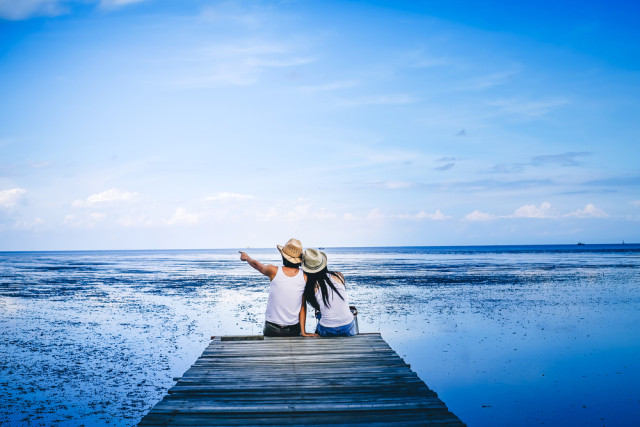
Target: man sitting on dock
(285,307)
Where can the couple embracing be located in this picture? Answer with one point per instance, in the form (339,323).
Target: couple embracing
(304,278)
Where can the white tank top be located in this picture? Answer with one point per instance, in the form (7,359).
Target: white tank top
(285,298)
(338,312)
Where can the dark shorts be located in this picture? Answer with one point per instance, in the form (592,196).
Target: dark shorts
(273,330)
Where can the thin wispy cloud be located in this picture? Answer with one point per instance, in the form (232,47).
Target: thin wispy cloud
(105,198)
(366,156)
(87,221)
(379,100)
(28,225)
(112,4)
(568,159)
(484,185)
(395,185)
(489,81)
(24,9)
(527,109)
(423,58)
(236,14)
(330,86)
(240,63)
(445,167)
(616,181)
(11,197)
(564,159)
(507,168)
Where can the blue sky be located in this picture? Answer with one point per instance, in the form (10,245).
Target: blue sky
(200,124)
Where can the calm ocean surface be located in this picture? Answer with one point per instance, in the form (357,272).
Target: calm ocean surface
(506,335)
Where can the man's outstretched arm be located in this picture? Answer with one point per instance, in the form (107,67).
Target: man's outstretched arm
(266,269)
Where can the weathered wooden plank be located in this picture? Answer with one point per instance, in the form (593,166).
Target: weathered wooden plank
(242,338)
(318,392)
(224,407)
(327,398)
(439,417)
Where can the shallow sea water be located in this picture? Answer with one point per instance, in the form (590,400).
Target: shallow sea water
(530,335)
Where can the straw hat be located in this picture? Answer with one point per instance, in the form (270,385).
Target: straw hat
(313,260)
(292,250)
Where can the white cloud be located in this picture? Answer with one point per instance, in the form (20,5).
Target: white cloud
(436,216)
(229,196)
(479,216)
(531,211)
(349,217)
(589,211)
(636,203)
(106,198)
(182,217)
(9,198)
(23,9)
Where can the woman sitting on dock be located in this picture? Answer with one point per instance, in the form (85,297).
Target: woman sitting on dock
(325,291)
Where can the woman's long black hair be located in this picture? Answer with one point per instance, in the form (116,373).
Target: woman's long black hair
(322,280)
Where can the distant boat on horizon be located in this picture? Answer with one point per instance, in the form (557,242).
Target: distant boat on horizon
(580,244)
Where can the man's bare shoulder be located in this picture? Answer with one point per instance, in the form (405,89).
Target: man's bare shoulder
(270,270)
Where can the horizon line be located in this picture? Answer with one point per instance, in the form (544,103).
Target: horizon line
(240,248)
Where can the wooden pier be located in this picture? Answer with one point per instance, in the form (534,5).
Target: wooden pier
(254,380)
